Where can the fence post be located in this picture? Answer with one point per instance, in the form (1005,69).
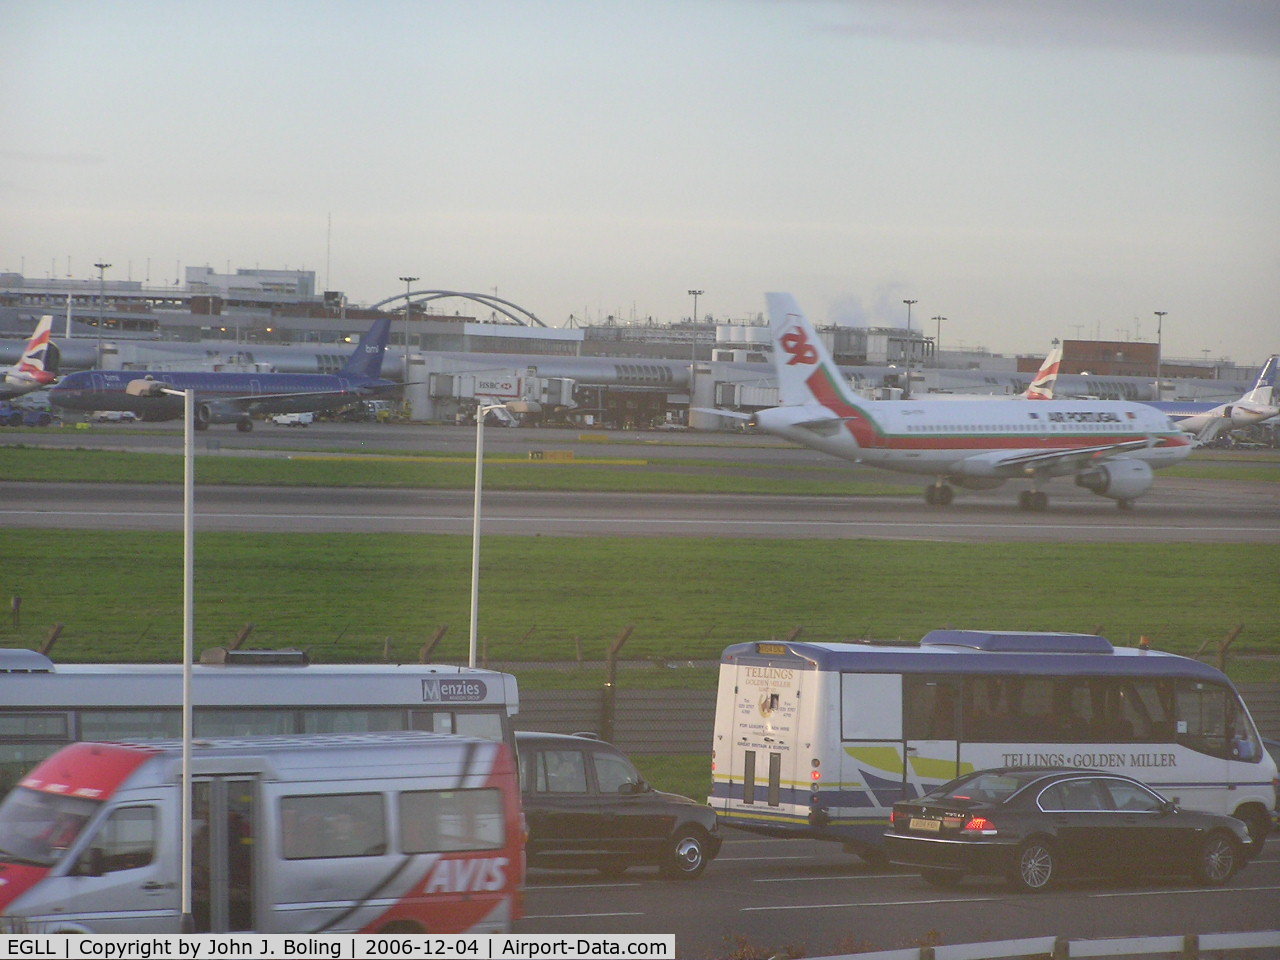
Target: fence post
(609,696)
(424,654)
(241,637)
(51,639)
(1061,948)
(1222,648)
(1191,943)
(15,605)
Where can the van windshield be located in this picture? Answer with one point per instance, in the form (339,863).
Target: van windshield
(38,827)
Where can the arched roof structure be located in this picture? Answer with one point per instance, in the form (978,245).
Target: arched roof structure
(512,311)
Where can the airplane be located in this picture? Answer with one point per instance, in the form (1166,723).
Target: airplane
(1207,420)
(1109,447)
(224,397)
(38,365)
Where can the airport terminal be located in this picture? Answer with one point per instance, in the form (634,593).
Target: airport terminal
(457,348)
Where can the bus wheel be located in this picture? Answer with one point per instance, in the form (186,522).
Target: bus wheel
(1258,823)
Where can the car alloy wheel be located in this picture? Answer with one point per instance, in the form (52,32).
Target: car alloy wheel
(1034,867)
(1216,861)
(686,856)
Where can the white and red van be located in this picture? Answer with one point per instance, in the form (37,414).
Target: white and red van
(399,832)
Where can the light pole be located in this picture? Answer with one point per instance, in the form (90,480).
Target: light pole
(152,388)
(1160,314)
(102,294)
(693,336)
(406,281)
(937,341)
(906,393)
(482,411)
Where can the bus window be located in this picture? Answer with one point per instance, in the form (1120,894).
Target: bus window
(485,724)
(928,708)
(351,721)
(333,825)
(991,710)
(1202,717)
(242,723)
(435,821)
(26,739)
(129,724)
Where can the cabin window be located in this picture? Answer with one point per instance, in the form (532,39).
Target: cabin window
(126,841)
(333,825)
(437,821)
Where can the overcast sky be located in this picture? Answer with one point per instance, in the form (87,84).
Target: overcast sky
(1025,170)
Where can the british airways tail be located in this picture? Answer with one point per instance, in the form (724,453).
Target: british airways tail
(1042,386)
(38,365)
(366,361)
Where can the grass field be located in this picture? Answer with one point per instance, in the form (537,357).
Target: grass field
(342,595)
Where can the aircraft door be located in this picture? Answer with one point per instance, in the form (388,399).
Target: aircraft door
(931,726)
(225,825)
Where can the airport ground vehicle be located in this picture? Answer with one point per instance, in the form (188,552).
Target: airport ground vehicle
(17,415)
(293,419)
(113,416)
(44,706)
(587,806)
(1034,825)
(404,832)
(821,739)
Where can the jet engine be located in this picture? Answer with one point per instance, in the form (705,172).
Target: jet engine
(1118,479)
(217,412)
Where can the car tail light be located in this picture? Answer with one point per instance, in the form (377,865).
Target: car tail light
(980,826)
(893,817)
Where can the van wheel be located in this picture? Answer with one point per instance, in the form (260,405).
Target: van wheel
(1034,867)
(686,856)
(1216,860)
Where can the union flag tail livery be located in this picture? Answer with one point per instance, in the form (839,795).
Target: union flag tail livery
(38,365)
(1108,447)
(1042,386)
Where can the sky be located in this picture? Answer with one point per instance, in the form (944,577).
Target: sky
(1023,170)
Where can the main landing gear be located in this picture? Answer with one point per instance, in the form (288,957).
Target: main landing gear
(938,494)
(1033,500)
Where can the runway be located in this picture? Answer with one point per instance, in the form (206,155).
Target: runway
(1182,511)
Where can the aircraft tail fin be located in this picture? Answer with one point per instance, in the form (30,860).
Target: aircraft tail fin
(38,365)
(805,371)
(366,361)
(1264,391)
(1041,387)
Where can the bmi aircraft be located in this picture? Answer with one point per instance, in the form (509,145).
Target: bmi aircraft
(1108,447)
(224,397)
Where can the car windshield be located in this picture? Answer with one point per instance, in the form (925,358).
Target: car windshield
(989,787)
(38,827)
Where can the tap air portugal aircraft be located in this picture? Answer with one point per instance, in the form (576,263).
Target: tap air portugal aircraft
(37,367)
(1108,447)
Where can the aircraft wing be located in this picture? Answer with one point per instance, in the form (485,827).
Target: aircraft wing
(1025,462)
(250,402)
(735,414)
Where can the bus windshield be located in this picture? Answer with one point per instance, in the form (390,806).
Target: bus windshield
(38,827)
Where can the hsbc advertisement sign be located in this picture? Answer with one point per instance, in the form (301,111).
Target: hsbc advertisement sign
(498,386)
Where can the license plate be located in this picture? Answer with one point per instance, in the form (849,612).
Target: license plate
(928,826)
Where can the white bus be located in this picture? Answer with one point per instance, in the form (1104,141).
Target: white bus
(820,739)
(45,706)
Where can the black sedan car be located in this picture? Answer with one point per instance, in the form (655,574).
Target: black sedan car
(587,806)
(1034,825)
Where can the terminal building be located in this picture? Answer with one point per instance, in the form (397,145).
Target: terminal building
(455,347)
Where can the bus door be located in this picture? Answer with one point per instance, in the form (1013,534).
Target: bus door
(931,724)
(225,818)
(763,755)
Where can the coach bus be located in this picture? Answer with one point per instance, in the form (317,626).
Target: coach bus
(820,739)
(45,706)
